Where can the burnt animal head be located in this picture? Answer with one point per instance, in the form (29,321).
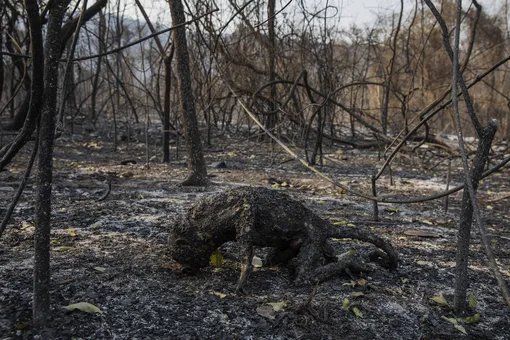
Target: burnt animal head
(186,248)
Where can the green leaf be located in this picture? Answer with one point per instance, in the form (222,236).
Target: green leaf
(404,280)
(392,210)
(216,259)
(357,312)
(440,300)
(472,319)
(340,223)
(472,300)
(84,307)
(453,321)
(346,303)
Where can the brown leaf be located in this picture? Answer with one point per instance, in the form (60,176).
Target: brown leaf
(421,233)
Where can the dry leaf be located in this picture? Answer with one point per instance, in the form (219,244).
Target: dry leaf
(100,269)
(421,233)
(460,328)
(63,248)
(84,307)
(219,294)
(266,311)
(72,232)
(257,262)
(21,326)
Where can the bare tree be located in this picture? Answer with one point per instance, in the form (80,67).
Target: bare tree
(52,54)
(196,161)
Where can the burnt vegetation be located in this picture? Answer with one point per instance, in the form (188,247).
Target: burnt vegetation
(144,141)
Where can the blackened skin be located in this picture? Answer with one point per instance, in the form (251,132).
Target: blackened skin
(255,216)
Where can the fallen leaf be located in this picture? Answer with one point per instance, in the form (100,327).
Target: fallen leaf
(63,248)
(472,300)
(357,312)
(392,210)
(357,294)
(72,232)
(346,303)
(100,269)
(21,326)
(67,281)
(266,311)
(460,329)
(216,259)
(490,207)
(404,280)
(256,262)
(453,321)
(361,282)
(219,294)
(231,154)
(440,300)
(278,306)
(84,307)
(421,233)
(472,319)
(340,223)
(427,222)
(126,175)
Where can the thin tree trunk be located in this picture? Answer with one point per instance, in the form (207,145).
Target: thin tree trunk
(196,161)
(384,116)
(95,84)
(41,303)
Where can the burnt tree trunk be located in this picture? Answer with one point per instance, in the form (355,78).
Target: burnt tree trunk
(41,303)
(36,87)
(95,84)
(196,162)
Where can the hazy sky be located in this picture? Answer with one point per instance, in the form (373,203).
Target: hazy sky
(352,11)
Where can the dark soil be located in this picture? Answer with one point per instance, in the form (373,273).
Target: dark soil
(112,253)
